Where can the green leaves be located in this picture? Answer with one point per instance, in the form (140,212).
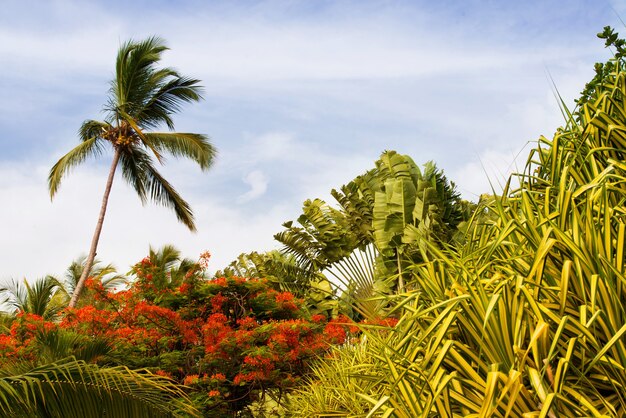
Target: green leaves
(527,316)
(45,297)
(71,388)
(193,146)
(143,96)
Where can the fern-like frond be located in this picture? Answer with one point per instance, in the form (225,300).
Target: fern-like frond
(74,389)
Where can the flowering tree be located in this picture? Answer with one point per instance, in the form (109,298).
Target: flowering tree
(230,340)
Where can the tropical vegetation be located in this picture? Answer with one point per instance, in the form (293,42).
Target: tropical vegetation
(399,300)
(526,315)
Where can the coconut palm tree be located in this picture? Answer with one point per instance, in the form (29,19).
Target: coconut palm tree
(142,97)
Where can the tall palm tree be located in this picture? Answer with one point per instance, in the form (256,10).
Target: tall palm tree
(142,97)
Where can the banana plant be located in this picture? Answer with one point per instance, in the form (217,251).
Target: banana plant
(386,213)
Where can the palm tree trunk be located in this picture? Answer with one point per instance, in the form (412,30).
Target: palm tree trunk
(96,235)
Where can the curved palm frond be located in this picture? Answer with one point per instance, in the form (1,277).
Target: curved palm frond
(93,129)
(57,344)
(165,257)
(14,296)
(162,192)
(168,98)
(89,147)
(193,146)
(172,268)
(133,161)
(134,70)
(71,388)
(39,298)
(140,173)
(149,95)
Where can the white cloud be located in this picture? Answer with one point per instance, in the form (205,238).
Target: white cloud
(40,237)
(258,186)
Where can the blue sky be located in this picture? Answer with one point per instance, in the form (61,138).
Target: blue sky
(300,97)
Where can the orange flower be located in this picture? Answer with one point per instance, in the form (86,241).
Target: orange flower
(190,379)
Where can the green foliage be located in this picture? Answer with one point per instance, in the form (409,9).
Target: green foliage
(45,297)
(106,275)
(341,384)
(72,388)
(527,316)
(282,270)
(230,340)
(50,371)
(384,218)
(605,71)
(411,209)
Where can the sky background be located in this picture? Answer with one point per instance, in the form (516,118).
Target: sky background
(300,98)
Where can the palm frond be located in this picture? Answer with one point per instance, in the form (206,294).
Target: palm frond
(107,274)
(38,298)
(133,161)
(167,100)
(71,388)
(149,95)
(138,170)
(134,69)
(14,296)
(89,147)
(57,344)
(93,129)
(165,257)
(162,192)
(193,146)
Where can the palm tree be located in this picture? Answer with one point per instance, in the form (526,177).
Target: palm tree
(168,260)
(142,97)
(106,275)
(45,297)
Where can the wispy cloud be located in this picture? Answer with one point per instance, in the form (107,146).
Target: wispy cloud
(258,186)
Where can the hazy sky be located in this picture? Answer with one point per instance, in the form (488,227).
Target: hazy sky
(300,97)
